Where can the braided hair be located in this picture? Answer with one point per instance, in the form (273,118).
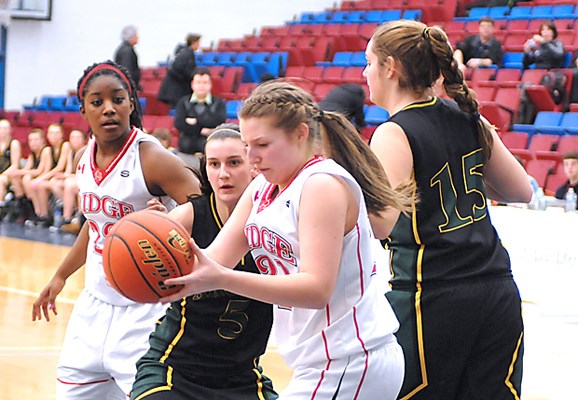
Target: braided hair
(287,106)
(424,54)
(111,68)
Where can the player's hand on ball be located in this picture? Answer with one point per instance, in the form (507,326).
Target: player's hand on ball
(156,205)
(46,300)
(205,276)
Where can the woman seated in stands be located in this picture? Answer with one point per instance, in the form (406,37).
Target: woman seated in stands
(10,154)
(63,184)
(544,50)
(38,188)
(37,163)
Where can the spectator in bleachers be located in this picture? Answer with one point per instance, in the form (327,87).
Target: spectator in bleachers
(543,49)
(481,50)
(63,184)
(38,188)
(37,163)
(125,54)
(570,162)
(347,99)
(164,136)
(177,82)
(197,115)
(10,154)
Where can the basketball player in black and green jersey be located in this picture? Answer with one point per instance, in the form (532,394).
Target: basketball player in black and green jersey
(452,286)
(208,345)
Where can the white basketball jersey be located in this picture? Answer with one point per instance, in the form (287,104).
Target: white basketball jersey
(357,318)
(106,195)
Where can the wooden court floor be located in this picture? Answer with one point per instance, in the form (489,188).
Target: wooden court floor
(29,350)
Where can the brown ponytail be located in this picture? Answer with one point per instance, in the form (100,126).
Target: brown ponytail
(424,54)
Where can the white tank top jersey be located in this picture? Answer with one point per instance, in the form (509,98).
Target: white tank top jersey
(106,195)
(357,318)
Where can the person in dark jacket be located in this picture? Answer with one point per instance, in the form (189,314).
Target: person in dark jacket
(125,54)
(177,82)
(347,99)
(481,50)
(196,115)
(544,50)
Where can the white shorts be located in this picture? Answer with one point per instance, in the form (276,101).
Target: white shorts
(102,344)
(377,376)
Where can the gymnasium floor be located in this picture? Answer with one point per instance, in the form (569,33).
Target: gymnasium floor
(29,351)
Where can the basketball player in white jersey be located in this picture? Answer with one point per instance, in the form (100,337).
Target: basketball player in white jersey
(120,170)
(305,221)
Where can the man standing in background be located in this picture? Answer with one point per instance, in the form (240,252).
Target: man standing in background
(125,54)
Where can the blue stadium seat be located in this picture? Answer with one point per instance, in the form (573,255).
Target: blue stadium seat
(358,59)
(541,12)
(225,58)
(500,12)
(390,15)
(414,15)
(342,58)
(58,103)
(72,104)
(339,17)
(322,17)
(233,107)
(520,12)
(478,12)
(545,122)
(208,58)
(375,115)
(512,60)
(563,11)
(356,17)
(374,16)
(569,123)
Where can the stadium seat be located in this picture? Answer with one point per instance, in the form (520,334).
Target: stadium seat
(567,143)
(332,74)
(232,107)
(353,75)
(569,123)
(541,12)
(478,12)
(545,122)
(505,77)
(515,140)
(554,181)
(414,15)
(321,90)
(561,11)
(521,12)
(376,115)
(540,169)
(358,59)
(499,12)
(540,97)
(314,73)
(512,60)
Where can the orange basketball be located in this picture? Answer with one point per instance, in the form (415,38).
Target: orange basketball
(142,250)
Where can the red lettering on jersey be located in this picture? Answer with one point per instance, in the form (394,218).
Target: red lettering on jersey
(268,266)
(91,204)
(270,242)
(80,168)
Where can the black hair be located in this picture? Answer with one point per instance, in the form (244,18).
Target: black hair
(131,88)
